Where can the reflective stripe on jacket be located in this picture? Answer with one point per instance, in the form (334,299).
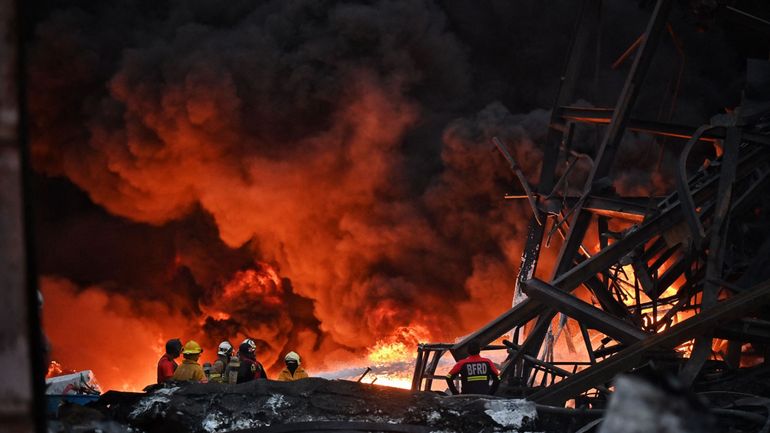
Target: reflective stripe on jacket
(475,373)
(218,370)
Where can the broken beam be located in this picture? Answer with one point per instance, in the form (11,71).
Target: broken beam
(583,312)
(632,356)
(602,116)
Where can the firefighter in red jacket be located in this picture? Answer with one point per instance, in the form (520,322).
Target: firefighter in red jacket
(475,373)
(166,363)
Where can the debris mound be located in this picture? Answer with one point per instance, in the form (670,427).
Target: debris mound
(257,405)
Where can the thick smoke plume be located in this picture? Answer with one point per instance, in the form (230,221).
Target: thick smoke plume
(316,175)
(287,127)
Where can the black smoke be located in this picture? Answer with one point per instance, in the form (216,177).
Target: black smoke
(345,144)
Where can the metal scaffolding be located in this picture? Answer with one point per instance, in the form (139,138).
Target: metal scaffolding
(664,280)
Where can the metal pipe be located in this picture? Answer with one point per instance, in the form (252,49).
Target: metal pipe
(683,187)
(627,53)
(368,369)
(520,175)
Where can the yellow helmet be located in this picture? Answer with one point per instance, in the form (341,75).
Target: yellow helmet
(191,347)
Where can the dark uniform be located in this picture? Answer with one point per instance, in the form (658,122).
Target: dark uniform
(250,369)
(219,369)
(475,374)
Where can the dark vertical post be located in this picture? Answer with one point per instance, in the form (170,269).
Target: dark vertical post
(589,14)
(587,341)
(431,368)
(21,389)
(418,369)
(733,357)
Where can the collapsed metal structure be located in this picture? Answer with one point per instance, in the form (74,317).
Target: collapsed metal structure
(684,238)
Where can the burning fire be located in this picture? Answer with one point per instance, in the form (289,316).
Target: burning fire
(396,353)
(55,369)
(134,367)
(399,346)
(89,334)
(401,380)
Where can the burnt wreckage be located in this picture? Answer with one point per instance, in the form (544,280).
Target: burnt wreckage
(696,237)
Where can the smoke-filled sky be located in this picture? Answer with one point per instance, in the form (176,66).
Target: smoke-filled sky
(312,174)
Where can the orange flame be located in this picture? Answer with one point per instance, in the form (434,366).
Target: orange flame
(401,380)
(399,346)
(397,349)
(56,369)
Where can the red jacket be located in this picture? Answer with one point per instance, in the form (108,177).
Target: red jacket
(475,373)
(166,368)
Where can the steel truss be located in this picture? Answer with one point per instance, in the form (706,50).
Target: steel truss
(663,281)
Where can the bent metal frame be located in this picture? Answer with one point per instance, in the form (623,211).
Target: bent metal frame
(679,238)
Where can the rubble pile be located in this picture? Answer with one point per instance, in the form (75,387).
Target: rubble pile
(211,407)
(642,402)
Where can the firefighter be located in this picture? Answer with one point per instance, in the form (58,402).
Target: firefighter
(190,370)
(293,370)
(166,365)
(475,373)
(219,368)
(250,368)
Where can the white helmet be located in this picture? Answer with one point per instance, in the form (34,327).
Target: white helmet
(225,348)
(252,345)
(292,356)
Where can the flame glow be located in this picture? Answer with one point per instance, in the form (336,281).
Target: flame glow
(395,355)
(400,346)
(401,380)
(55,369)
